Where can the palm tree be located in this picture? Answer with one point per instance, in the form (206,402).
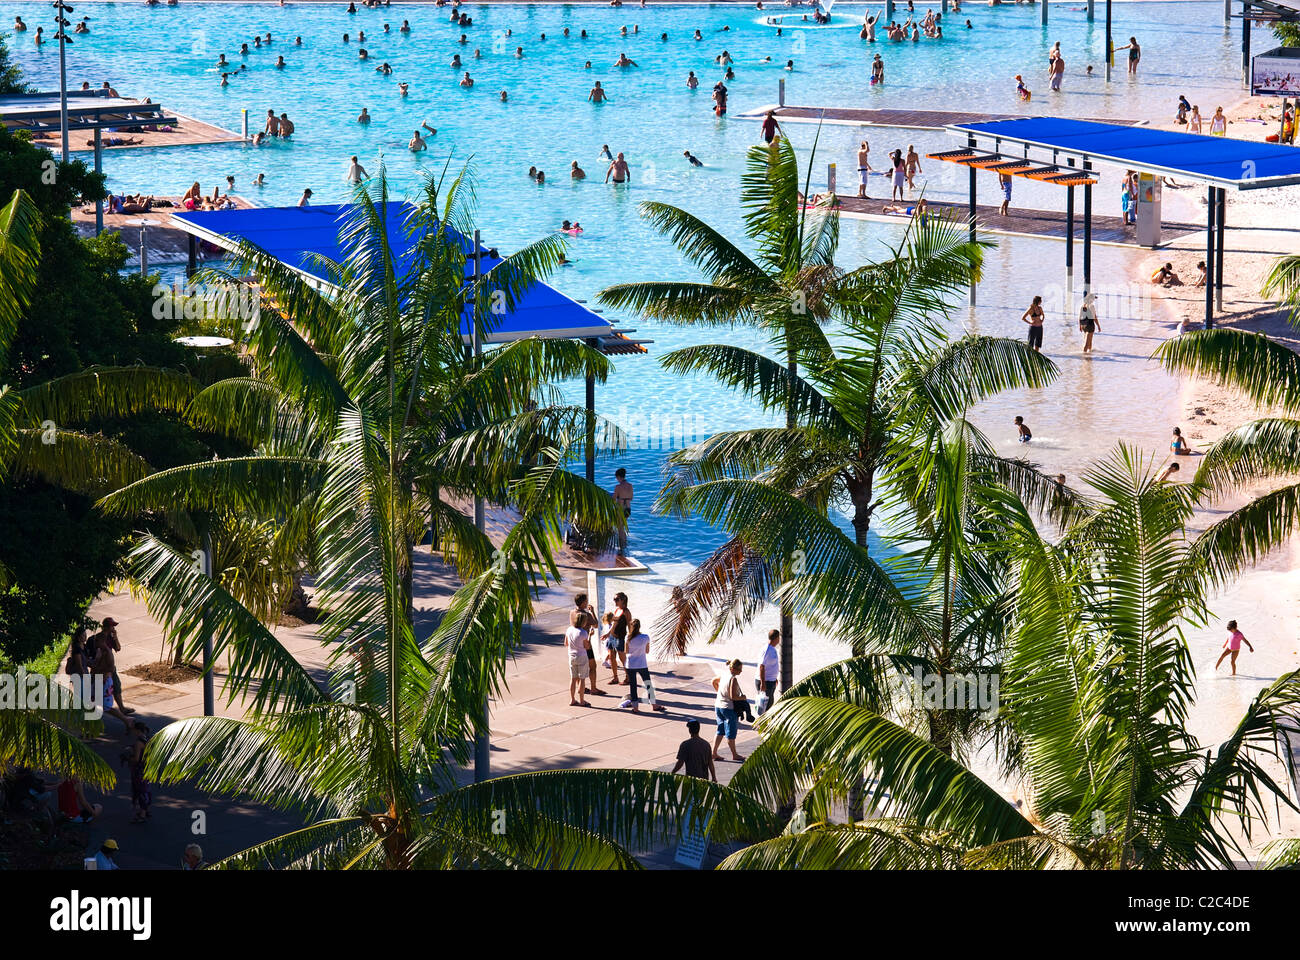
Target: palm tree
(40,739)
(784,292)
(1095,691)
(366,398)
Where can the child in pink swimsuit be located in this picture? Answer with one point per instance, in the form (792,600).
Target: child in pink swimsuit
(1232,646)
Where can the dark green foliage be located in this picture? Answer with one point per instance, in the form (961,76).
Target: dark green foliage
(85,313)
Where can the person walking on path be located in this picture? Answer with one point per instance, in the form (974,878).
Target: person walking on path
(1232,646)
(108,639)
(1004,181)
(1034,317)
(724,706)
(694,754)
(576,640)
(638,665)
(769,671)
(1088,324)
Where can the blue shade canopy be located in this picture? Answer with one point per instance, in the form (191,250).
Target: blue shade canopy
(1215,161)
(294,234)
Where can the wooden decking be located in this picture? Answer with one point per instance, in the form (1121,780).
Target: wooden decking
(1110,231)
(167,244)
(187,133)
(901,119)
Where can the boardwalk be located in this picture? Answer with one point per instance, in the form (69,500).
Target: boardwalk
(901,119)
(167,245)
(187,133)
(1027,223)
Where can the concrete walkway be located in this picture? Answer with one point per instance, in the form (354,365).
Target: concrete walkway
(533,726)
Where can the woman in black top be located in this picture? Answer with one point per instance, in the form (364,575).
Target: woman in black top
(618,633)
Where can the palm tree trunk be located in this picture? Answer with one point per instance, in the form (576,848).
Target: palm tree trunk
(787,615)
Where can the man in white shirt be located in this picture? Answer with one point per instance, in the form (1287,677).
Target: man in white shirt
(769,667)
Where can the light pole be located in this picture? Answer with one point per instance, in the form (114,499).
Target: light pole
(1109,43)
(63,38)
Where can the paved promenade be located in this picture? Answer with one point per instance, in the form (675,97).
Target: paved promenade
(533,726)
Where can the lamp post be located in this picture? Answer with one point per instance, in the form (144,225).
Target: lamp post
(1109,42)
(63,38)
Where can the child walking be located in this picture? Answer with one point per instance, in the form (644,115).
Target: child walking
(1232,646)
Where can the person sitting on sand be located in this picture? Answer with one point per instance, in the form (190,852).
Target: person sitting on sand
(1200,277)
(1178,445)
(1169,473)
(1165,277)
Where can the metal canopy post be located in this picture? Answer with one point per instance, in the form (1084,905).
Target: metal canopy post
(99,168)
(191,256)
(591,417)
(889,11)
(1110,43)
(483,737)
(1220,217)
(1069,239)
(1210,272)
(1245,44)
(1087,233)
(1092,10)
(1043,4)
(970,142)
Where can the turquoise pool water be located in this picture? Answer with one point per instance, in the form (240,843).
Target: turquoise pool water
(169,54)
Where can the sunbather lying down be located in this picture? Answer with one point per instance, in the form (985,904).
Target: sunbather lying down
(116,142)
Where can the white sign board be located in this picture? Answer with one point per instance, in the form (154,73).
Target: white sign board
(694,845)
(1276,73)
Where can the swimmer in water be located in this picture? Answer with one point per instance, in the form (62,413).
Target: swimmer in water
(576,172)
(624,61)
(587,65)
(455,61)
(417,143)
(605,154)
(693,161)
(279,62)
(363,54)
(405,27)
(259,180)
(789,64)
(597,94)
(504,96)
(356,172)
(404,88)
(620,171)
(364,117)
(467,80)
(519,53)
(692,81)
(698,35)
